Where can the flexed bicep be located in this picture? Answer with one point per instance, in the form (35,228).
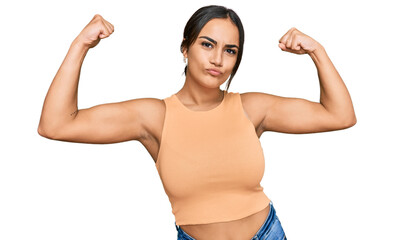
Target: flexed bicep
(298,115)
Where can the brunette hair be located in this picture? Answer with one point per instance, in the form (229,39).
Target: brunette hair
(198,20)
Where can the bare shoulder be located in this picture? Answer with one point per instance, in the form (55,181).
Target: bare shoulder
(256,99)
(256,105)
(152,115)
(152,112)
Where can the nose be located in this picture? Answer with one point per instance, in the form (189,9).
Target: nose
(216,58)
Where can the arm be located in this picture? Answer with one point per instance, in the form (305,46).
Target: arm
(334,96)
(296,115)
(105,123)
(61,104)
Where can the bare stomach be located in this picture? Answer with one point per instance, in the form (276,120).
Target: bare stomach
(240,229)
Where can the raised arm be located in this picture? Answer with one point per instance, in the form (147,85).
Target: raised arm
(62,120)
(296,115)
(61,103)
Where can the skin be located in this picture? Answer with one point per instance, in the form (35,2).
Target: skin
(142,119)
(211,50)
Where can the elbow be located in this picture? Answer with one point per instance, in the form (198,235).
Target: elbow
(45,133)
(350,122)
(40,131)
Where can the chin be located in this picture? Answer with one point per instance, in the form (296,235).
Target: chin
(213,84)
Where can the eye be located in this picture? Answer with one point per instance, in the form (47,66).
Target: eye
(206,44)
(231,51)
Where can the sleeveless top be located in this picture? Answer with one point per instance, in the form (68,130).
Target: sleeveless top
(211,162)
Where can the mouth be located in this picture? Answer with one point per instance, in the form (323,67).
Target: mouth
(214,72)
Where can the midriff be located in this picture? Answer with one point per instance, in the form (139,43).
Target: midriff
(240,229)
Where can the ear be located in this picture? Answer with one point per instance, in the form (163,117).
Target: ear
(184,54)
(184,50)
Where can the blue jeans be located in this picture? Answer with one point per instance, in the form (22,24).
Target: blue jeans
(270,230)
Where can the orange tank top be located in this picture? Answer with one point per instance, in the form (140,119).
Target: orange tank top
(211,162)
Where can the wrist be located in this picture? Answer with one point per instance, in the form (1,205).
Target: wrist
(319,48)
(77,43)
(317,53)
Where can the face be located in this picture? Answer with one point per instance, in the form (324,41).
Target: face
(211,58)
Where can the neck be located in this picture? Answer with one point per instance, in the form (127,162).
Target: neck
(195,94)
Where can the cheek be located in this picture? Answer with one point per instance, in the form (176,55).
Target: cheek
(230,64)
(198,60)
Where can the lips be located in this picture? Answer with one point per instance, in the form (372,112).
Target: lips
(214,72)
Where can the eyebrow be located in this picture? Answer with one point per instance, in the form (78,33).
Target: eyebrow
(214,42)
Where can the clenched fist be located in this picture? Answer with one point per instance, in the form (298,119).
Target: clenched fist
(96,29)
(297,42)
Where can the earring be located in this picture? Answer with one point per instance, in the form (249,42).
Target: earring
(185,60)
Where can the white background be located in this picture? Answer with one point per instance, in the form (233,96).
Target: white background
(332,185)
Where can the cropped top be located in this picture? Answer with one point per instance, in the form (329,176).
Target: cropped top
(211,162)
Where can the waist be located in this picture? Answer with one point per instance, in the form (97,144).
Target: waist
(243,228)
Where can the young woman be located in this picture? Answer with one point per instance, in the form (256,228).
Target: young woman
(204,141)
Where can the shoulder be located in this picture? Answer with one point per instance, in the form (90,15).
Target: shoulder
(149,104)
(152,108)
(256,105)
(151,112)
(253,100)
(146,106)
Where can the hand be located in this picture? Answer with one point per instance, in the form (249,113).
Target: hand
(297,42)
(97,29)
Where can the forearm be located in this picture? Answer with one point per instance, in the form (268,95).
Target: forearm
(61,104)
(334,95)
